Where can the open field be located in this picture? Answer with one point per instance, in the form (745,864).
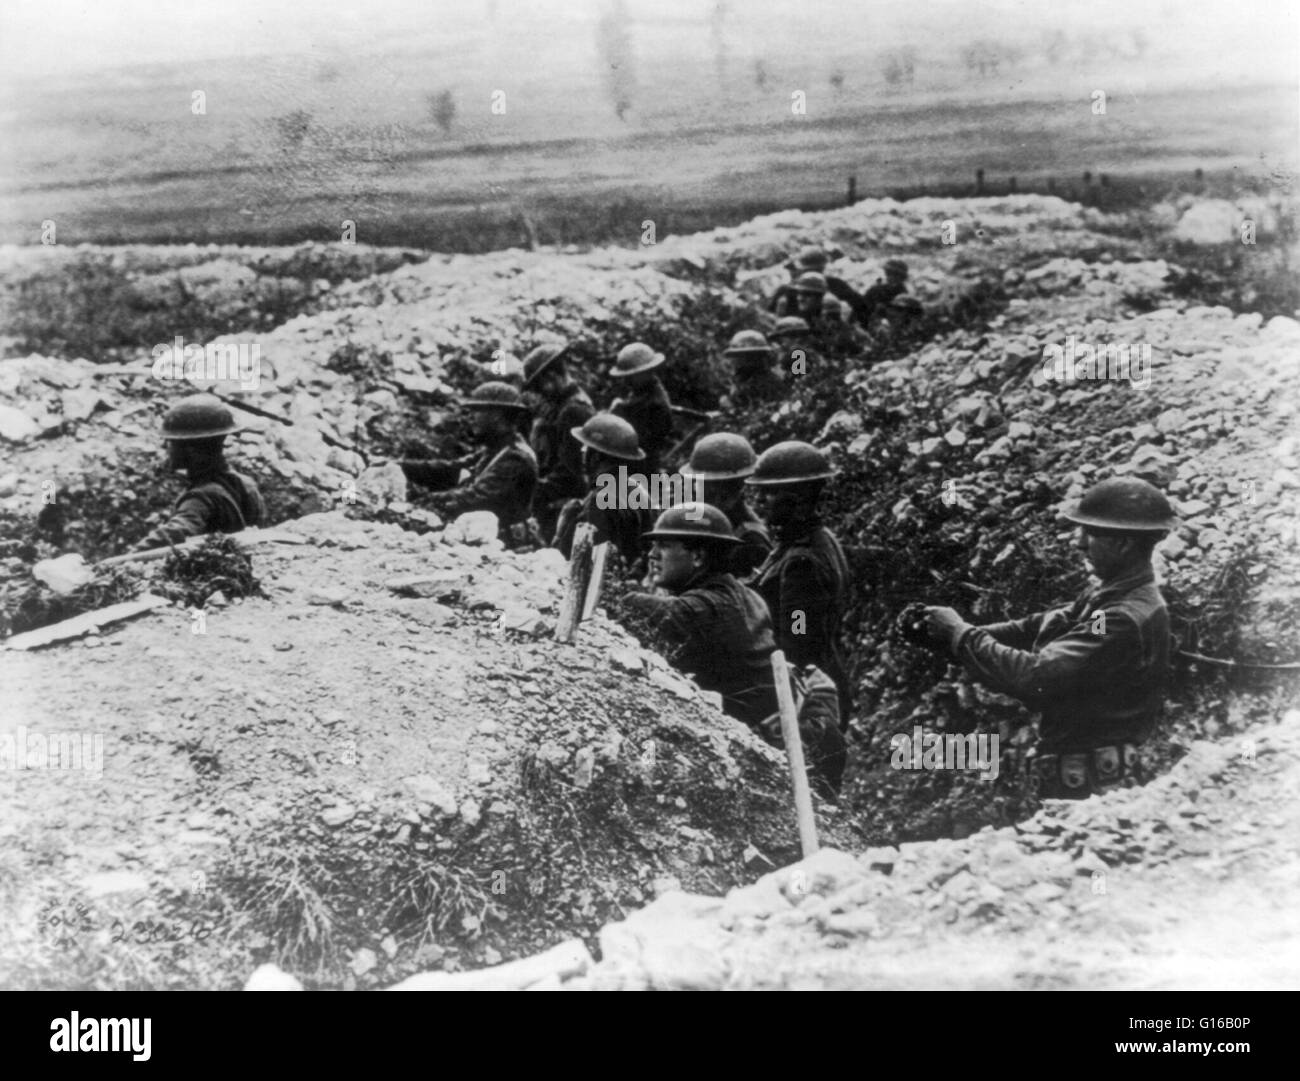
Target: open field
(289,147)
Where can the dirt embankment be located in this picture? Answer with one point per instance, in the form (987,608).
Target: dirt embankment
(362,778)
(386,764)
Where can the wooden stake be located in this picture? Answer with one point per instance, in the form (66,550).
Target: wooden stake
(598,556)
(579,575)
(803,809)
(85,623)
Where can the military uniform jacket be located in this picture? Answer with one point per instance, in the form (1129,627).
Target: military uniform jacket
(755,544)
(752,385)
(559,455)
(651,414)
(719,632)
(1097,669)
(504,476)
(805,582)
(226,503)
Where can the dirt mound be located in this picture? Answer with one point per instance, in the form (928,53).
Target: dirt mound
(1183,884)
(385,765)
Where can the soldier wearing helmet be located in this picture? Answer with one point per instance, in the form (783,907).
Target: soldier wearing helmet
(876,300)
(1097,668)
(805,580)
(218,500)
(645,405)
(809,289)
(836,333)
(502,473)
(752,377)
(793,342)
(560,406)
(871,305)
(719,464)
(719,632)
(785,301)
(619,506)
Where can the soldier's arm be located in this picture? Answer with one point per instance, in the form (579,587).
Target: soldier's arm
(842,290)
(1078,659)
(671,617)
(434,473)
(494,489)
(193,517)
(1016,633)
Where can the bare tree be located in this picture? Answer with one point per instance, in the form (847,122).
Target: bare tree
(614,44)
(442,108)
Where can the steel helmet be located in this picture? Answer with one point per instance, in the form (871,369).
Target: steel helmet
(611,436)
(541,358)
(747,341)
(906,303)
(1127,504)
(634,359)
(812,282)
(721,456)
(200,416)
(693,521)
(895,268)
(495,395)
(811,258)
(791,462)
(832,308)
(789,326)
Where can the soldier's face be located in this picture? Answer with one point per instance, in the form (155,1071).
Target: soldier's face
(809,303)
(672,565)
(175,454)
(783,505)
(1103,553)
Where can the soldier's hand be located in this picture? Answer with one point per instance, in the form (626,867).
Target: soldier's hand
(944,625)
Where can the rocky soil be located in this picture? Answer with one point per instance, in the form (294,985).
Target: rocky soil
(384,763)
(336,786)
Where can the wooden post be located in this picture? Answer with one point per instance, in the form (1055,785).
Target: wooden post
(579,574)
(803,810)
(598,555)
(979,181)
(1011,185)
(853,190)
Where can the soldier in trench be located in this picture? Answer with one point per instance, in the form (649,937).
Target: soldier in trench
(805,578)
(719,632)
(499,477)
(1096,669)
(217,500)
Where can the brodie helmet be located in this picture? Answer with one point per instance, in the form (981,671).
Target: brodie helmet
(693,521)
(200,416)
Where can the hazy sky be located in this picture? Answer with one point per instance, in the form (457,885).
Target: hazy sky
(68,36)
